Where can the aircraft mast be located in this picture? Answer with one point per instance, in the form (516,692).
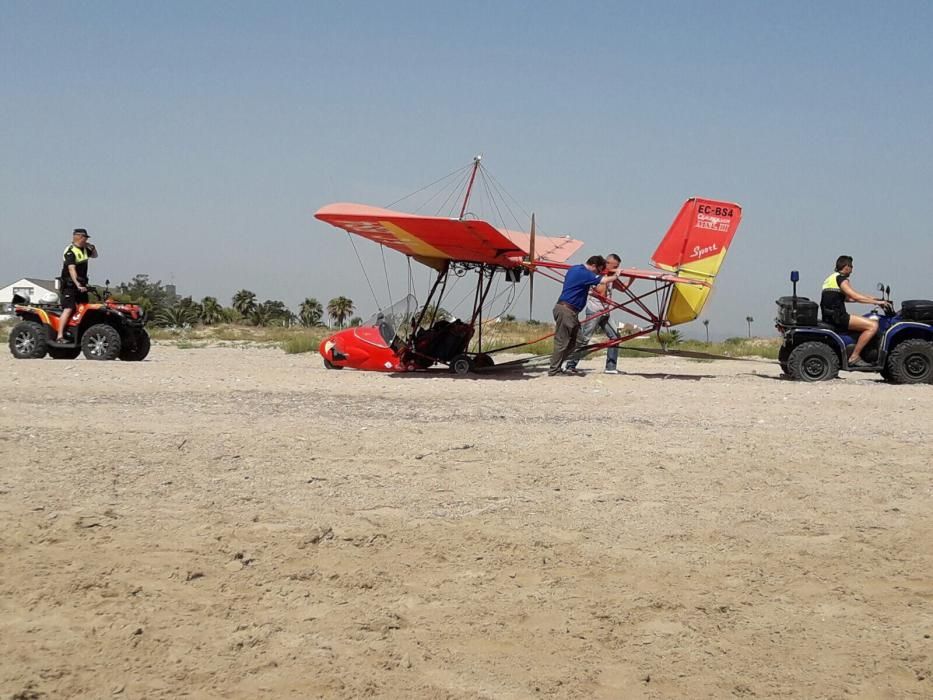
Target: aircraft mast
(466,199)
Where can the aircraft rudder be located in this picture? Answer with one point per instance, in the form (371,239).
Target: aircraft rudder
(695,247)
(699,238)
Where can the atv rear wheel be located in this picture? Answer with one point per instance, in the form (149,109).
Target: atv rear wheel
(101,342)
(64,353)
(813,362)
(782,359)
(138,352)
(911,362)
(28,340)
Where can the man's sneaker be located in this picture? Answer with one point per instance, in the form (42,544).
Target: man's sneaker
(611,371)
(574,372)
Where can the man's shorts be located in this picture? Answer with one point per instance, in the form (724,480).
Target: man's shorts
(71,297)
(841,321)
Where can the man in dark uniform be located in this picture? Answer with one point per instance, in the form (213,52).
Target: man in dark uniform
(837,290)
(74,277)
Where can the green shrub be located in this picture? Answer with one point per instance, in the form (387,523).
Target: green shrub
(300,343)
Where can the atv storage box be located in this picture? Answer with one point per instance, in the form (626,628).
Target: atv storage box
(917,310)
(806,313)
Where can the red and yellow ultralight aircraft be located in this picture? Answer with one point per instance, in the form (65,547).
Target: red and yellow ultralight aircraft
(688,260)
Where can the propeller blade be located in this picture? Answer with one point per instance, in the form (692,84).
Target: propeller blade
(531,270)
(531,242)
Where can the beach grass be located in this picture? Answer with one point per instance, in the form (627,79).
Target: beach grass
(300,339)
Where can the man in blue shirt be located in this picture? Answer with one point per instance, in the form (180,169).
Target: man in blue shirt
(597,311)
(577,283)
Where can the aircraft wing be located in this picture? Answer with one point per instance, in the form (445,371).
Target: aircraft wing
(432,239)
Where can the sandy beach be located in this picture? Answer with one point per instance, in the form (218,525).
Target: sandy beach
(241,523)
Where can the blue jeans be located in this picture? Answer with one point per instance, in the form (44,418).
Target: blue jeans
(583,339)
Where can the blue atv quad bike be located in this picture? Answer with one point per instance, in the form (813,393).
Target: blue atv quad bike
(813,351)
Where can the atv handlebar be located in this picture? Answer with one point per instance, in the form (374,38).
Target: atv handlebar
(886,307)
(102,293)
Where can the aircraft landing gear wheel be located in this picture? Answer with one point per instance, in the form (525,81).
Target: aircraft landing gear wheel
(330,365)
(483,361)
(461,364)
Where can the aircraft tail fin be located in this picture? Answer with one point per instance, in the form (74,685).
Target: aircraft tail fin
(695,247)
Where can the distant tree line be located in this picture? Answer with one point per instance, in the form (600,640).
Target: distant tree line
(165,308)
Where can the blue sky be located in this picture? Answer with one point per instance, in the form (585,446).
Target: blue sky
(195,140)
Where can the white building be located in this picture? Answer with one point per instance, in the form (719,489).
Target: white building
(36,290)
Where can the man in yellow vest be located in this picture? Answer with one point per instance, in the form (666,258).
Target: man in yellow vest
(74,277)
(837,290)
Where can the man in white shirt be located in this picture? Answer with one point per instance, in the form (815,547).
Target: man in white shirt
(597,306)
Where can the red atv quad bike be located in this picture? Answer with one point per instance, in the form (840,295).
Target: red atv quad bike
(104,330)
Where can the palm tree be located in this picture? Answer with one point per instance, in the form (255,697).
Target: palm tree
(670,337)
(748,320)
(278,312)
(706,323)
(310,312)
(192,308)
(339,309)
(244,301)
(260,316)
(211,311)
(433,312)
(176,316)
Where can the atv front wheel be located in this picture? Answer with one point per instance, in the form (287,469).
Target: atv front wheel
(101,342)
(28,340)
(911,362)
(813,362)
(139,352)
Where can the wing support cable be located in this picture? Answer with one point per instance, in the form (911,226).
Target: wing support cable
(363,268)
(500,190)
(385,270)
(451,174)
